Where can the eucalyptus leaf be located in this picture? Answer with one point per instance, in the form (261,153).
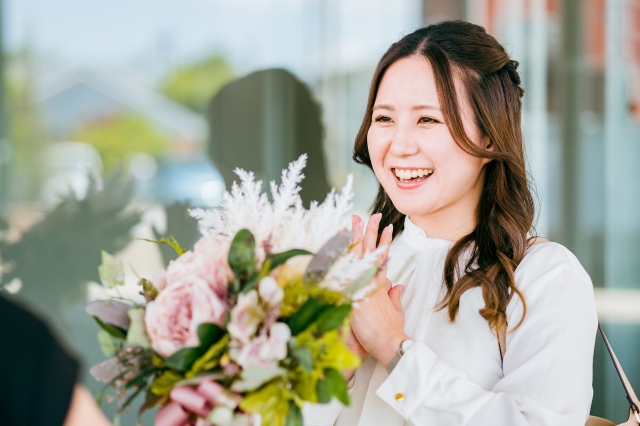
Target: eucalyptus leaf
(107,370)
(110,312)
(294,417)
(111,271)
(302,355)
(364,279)
(326,256)
(306,315)
(333,317)
(116,332)
(335,384)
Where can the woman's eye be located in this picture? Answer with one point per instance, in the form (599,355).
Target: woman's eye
(383,119)
(427,120)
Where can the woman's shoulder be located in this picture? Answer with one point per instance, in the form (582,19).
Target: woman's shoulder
(549,266)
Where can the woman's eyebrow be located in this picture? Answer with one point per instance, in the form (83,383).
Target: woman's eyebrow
(415,108)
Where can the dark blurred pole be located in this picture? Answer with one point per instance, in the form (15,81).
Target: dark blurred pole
(571,101)
(4,134)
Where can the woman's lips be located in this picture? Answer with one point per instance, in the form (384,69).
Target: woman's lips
(411,183)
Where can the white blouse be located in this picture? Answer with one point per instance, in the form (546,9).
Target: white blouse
(453,374)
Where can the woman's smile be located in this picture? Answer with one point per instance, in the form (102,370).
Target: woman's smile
(411,178)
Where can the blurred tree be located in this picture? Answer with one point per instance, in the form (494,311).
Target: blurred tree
(56,257)
(117,137)
(194,84)
(27,131)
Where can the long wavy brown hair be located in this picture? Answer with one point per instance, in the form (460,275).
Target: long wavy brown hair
(505,212)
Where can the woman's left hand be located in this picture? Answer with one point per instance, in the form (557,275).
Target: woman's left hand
(378,322)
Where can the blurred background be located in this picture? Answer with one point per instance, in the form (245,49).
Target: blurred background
(116,117)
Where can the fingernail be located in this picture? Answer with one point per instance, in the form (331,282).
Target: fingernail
(389,229)
(376,218)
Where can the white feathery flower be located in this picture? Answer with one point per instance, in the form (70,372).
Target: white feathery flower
(284,223)
(349,267)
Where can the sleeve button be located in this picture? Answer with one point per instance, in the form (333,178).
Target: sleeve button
(399,397)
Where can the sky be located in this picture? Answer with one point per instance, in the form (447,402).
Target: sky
(151,35)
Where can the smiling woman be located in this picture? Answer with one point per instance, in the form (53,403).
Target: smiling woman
(466,278)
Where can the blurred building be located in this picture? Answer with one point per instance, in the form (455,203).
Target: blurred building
(70,97)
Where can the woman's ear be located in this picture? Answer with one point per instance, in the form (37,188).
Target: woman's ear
(489,146)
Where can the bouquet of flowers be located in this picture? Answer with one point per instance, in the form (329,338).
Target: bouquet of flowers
(251,323)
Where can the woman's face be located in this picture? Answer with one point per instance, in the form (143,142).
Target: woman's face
(412,152)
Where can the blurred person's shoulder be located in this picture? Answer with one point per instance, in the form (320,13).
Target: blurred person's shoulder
(38,372)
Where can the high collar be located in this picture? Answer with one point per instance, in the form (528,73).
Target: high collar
(416,237)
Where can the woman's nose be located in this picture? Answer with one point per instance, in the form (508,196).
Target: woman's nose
(404,143)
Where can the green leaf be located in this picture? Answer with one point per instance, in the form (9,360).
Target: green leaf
(294,417)
(302,355)
(210,359)
(242,259)
(137,334)
(163,383)
(209,334)
(364,279)
(148,290)
(271,401)
(111,271)
(333,317)
(322,390)
(184,359)
(336,385)
(306,315)
(253,378)
(280,258)
(113,331)
(107,345)
(140,378)
(170,241)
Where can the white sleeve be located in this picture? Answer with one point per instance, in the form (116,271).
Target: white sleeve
(547,366)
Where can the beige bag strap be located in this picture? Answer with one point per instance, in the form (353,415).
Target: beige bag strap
(631,395)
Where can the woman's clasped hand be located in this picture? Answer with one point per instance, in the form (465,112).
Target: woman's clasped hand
(377,322)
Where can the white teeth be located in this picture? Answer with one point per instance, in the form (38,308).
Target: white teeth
(409,174)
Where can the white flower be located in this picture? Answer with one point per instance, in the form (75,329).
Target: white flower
(246,316)
(284,223)
(270,291)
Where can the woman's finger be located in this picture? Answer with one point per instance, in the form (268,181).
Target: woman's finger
(371,234)
(394,295)
(356,240)
(385,241)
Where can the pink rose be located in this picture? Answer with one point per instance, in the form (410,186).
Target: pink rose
(172,319)
(246,316)
(208,261)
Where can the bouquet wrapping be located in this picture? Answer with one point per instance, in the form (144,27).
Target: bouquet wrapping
(251,323)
